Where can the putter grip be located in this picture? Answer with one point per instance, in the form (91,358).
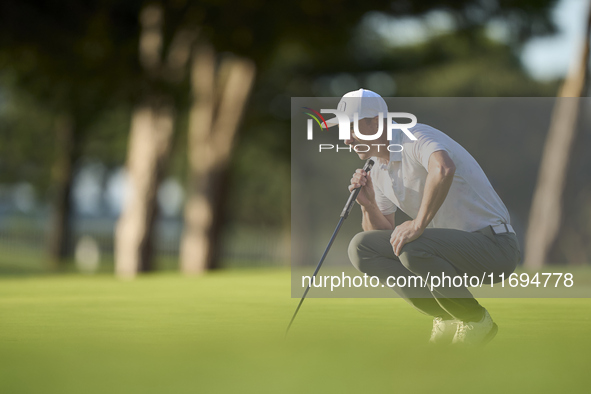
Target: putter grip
(353,196)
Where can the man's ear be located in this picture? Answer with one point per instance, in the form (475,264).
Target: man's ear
(375,123)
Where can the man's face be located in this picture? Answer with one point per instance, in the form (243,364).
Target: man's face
(368,126)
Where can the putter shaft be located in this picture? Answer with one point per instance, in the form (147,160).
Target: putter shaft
(344,214)
(334,235)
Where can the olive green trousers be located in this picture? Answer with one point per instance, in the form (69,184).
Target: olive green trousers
(441,253)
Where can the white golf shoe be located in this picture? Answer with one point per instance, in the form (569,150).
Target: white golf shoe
(443,331)
(476,333)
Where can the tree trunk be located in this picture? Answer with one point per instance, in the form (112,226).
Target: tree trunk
(218,103)
(546,210)
(149,148)
(60,230)
(150,142)
(220,187)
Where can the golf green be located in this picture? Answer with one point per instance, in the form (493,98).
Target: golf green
(223,333)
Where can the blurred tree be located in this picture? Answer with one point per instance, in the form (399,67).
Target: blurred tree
(150,139)
(25,126)
(80,58)
(214,118)
(57,52)
(62,176)
(547,205)
(464,66)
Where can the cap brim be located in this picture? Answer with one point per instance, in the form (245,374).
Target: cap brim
(331,122)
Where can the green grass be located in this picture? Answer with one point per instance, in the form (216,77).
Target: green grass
(26,259)
(223,333)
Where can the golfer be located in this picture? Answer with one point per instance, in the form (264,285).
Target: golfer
(459,224)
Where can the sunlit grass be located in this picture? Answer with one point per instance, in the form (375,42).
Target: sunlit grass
(223,333)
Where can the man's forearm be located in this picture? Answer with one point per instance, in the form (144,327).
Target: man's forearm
(437,186)
(373,219)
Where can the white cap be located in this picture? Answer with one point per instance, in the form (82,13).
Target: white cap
(366,103)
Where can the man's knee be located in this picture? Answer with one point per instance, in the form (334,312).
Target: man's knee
(364,248)
(367,247)
(413,257)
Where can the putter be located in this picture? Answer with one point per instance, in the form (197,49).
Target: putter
(344,214)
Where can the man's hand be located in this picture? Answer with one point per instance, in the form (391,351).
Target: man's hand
(403,234)
(366,196)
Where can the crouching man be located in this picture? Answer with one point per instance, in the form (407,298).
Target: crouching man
(459,224)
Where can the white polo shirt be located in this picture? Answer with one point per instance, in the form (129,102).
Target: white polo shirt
(471,203)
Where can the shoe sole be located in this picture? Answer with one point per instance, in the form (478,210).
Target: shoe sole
(489,337)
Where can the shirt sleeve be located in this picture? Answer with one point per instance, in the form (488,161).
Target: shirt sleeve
(385,205)
(424,146)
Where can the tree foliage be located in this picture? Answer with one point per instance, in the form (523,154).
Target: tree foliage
(81,58)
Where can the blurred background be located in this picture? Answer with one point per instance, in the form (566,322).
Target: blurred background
(140,136)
